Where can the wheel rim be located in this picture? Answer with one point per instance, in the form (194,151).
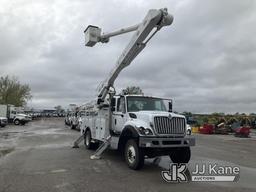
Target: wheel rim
(131,154)
(87,139)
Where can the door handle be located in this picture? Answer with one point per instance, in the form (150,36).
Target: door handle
(122,115)
(115,121)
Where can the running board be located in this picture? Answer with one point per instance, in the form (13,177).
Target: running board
(101,149)
(79,140)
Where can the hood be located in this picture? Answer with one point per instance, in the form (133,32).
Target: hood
(148,116)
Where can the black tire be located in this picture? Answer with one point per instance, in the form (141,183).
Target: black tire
(72,126)
(180,155)
(78,127)
(133,155)
(16,122)
(88,140)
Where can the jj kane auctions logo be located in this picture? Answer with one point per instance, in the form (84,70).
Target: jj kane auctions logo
(201,173)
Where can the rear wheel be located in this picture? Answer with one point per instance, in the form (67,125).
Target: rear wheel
(72,126)
(180,155)
(134,155)
(88,140)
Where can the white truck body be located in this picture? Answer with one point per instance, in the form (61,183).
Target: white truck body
(14,114)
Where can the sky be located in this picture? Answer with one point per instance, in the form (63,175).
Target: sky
(204,61)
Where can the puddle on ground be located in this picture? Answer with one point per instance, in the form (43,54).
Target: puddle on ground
(5,151)
(8,135)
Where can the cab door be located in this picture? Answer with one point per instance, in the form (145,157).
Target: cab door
(119,115)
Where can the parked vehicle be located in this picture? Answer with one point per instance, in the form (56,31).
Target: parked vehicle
(71,119)
(80,118)
(68,118)
(76,119)
(241,130)
(3,121)
(207,129)
(13,115)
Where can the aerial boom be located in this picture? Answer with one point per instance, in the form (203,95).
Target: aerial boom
(155,19)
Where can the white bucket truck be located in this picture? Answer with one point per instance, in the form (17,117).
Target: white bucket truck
(14,114)
(139,126)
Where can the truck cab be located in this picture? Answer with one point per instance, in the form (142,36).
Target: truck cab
(19,118)
(139,110)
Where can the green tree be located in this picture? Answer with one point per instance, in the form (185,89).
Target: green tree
(59,109)
(13,92)
(132,90)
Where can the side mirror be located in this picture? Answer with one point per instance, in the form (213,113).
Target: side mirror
(170,106)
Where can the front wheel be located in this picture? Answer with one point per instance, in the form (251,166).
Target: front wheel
(16,122)
(134,155)
(180,155)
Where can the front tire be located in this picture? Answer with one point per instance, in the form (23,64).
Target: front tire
(180,155)
(134,155)
(16,122)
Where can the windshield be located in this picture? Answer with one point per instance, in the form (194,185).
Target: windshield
(145,104)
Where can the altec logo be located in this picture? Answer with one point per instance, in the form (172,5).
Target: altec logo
(201,173)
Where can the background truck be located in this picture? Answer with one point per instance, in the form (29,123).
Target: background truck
(14,115)
(3,121)
(139,126)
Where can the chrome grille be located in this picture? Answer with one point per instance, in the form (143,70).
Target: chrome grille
(165,125)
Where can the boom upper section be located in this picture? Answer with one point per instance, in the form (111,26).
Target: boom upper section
(144,31)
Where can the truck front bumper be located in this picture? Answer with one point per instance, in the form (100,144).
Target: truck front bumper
(166,142)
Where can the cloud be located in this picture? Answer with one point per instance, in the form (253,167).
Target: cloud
(205,61)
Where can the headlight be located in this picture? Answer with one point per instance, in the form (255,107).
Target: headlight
(145,131)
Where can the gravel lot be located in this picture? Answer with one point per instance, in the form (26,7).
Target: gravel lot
(39,157)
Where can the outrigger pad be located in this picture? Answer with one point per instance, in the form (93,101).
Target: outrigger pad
(75,146)
(101,149)
(93,157)
(79,140)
